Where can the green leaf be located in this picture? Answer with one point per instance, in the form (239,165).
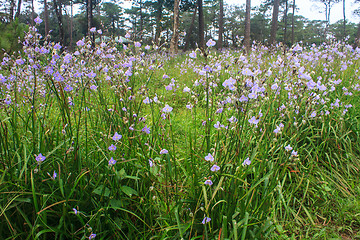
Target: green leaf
(115,203)
(102,191)
(129,191)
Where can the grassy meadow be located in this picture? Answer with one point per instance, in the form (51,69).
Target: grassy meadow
(137,144)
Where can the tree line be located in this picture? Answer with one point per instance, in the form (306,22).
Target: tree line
(184,24)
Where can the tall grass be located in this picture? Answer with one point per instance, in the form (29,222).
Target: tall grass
(139,145)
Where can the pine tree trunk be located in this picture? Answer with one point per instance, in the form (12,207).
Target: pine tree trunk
(247,26)
(221,25)
(201,26)
(71,25)
(357,40)
(46,20)
(191,28)
(18,10)
(58,11)
(89,16)
(32,12)
(12,9)
(158,21)
(285,22)
(344,13)
(274,22)
(175,37)
(141,21)
(292,24)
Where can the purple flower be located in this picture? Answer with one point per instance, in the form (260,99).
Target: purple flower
(247,72)
(206,220)
(186,89)
(112,147)
(217,125)
(19,61)
(167,109)
(127,35)
(112,161)
(147,100)
(40,158)
(208,182)
(57,46)
(246,162)
(53,176)
(164,151)
(288,148)
(75,211)
(209,158)
(116,137)
(192,54)
(137,44)
(68,88)
(243,98)
(294,153)
(210,43)
(313,114)
(92,236)
(80,43)
(253,120)
(215,168)
(38,20)
(8,101)
(151,163)
(93,29)
(146,129)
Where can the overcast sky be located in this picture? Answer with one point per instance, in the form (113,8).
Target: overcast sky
(311,9)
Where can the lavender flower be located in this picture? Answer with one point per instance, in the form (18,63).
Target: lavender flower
(288,148)
(208,182)
(146,129)
(112,161)
(38,20)
(215,168)
(206,220)
(209,158)
(246,162)
(164,151)
(167,109)
(112,147)
(92,236)
(40,158)
(116,137)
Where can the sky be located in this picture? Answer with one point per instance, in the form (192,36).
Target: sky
(311,9)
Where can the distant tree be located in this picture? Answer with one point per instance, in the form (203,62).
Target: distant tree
(336,30)
(274,22)
(58,5)
(175,37)
(46,16)
(344,14)
(112,13)
(158,15)
(201,25)
(221,24)
(234,24)
(190,30)
(328,4)
(285,22)
(247,27)
(292,23)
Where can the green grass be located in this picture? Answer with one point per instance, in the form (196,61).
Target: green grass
(313,194)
